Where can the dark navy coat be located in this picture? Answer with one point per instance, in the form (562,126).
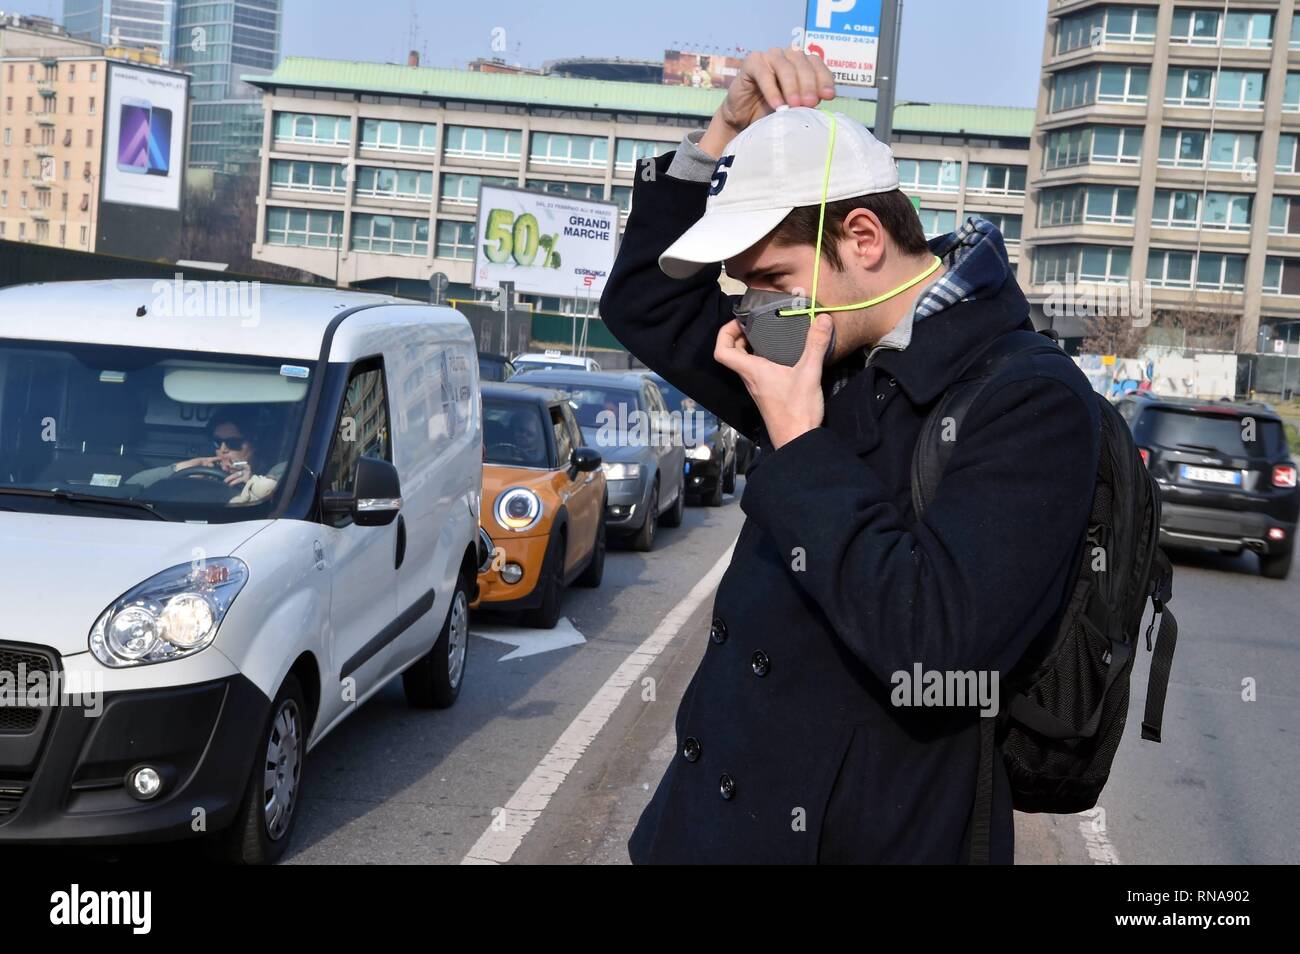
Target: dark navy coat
(788,746)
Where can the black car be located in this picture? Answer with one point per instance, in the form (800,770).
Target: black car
(711,447)
(1225,472)
(494,367)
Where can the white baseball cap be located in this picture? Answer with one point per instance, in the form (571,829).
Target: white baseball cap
(774,166)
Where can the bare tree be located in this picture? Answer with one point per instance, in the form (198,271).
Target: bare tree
(221,225)
(1111,334)
(1203,327)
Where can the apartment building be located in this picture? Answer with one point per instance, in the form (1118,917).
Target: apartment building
(370,172)
(1164,153)
(52,90)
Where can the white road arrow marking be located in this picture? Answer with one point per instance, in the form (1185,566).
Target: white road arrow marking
(530,642)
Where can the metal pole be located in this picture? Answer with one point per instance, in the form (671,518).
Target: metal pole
(891,26)
(507,301)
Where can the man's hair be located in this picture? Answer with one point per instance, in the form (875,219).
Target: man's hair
(894,210)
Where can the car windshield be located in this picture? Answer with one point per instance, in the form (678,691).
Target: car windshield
(1227,434)
(514,434)
(101,430)
(607,407)
(491,369)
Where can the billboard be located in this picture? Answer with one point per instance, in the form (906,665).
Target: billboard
(846,35)
(546,244)
(144,137)
(699,70)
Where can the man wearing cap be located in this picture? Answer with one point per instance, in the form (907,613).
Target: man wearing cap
(792,743)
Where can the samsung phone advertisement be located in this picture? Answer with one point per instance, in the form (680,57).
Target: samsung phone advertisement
(143,164)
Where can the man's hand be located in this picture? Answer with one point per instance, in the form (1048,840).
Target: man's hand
(790,399)
(780,77)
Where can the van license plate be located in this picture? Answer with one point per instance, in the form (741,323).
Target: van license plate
(1212,475)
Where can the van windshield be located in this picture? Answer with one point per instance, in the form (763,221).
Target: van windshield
(102,430)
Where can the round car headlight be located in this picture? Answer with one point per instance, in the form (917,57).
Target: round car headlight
(170,615)
(699,452)
(518,509)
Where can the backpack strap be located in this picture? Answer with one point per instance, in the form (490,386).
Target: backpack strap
(982,813)
(930,457)
(1162,657)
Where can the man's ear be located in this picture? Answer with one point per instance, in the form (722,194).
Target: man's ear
(863,238)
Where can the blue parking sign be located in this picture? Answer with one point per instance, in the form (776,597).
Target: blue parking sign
(846,35)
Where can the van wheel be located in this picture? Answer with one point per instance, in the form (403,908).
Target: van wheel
(729,484)
(1275,566)
(673,517)
(261,830)
(551,584)
(595,570)
(644,539)
(434,681)
(714,496)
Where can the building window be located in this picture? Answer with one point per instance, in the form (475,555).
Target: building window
(463,189)
(1104,83)
(473,142)
(1007,223)
(628,152)
(1291,94)
(1185,149)
(1081,263)
(984,179)
(1213,271)
(1286,151)
(574,190)
(623,196)
(936,222)
(394,183)
(310,228)
(456,240)
(390,234)
(929,175)
(1217,211)
(394,136)
(311,129)
(300,176)
(1281,276)
(1295,33)
(563,149)
(1113,24)
(1233,89)
(1240,29)
(1284,215)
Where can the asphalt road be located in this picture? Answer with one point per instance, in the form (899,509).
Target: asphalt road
(549,757)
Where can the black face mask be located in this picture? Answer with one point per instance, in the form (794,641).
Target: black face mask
(778,338)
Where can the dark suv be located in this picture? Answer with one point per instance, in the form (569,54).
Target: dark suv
(1226,476)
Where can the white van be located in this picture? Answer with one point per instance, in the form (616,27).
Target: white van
(223,528)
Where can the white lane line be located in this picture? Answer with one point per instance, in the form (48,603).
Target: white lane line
(1093,829)
(512,823)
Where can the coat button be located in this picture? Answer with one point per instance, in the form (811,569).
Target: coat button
(727,787)
(760,662)
(718,631)
(691,749)
(880,397)
(893,382)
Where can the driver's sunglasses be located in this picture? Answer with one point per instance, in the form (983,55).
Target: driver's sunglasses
(233,443)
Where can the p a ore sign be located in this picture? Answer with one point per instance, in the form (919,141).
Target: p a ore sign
(846,35)
(546,244)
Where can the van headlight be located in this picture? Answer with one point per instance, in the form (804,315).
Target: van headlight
(518,509)
(173,614)
(700,452)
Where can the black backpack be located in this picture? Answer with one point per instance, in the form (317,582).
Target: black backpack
(1069,696)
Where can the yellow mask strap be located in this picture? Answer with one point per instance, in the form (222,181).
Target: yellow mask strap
(817,255)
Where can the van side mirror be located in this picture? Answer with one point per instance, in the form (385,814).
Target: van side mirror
(585,459)
(376,495)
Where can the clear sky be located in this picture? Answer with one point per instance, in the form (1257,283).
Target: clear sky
(955,51)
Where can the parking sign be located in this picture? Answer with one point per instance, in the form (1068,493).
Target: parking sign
(846,35)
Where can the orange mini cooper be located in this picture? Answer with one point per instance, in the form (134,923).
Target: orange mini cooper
(543,503)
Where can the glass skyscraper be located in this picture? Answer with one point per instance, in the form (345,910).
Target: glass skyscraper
(133,23)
